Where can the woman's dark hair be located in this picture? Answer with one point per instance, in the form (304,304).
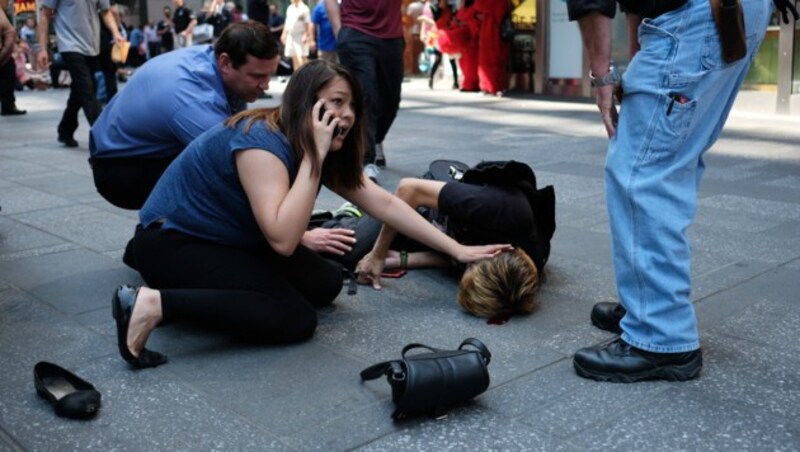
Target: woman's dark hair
(341,168)
(240,39)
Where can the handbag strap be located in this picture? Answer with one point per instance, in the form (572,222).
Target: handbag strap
(487,356)
(415,345)
(389,368)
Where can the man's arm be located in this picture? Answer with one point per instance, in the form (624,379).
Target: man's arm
(45,15)
(190,27)
(111,23)
(334,15)
(8,35)
(596,33)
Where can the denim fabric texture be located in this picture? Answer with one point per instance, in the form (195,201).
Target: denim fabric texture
(678,93)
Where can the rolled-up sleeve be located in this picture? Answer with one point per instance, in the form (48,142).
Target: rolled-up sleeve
(579,8)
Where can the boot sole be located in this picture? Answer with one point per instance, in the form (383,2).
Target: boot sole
(683,372)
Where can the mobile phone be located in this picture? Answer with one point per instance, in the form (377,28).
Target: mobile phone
(400,272)
(336,130)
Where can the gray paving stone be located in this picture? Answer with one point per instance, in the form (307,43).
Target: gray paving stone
(749,207)
(468,429)
(134,403)
(687,419)
(11,168)
(32,331)
(93,228)
(589,246)
(18,199)
(65,184)
(252,382)
(764,378)
(766,322)
(72,281)
(739,245)
(15,237)
(588,406)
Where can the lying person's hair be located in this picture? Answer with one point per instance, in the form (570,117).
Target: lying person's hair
(501,286)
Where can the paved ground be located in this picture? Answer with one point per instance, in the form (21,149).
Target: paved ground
(60,248)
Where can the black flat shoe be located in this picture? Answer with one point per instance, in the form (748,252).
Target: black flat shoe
(14,111)
(620,362)
(606,315)
(70,395)
(122,306)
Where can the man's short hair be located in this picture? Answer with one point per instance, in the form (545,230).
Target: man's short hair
(500,286)
(241,39)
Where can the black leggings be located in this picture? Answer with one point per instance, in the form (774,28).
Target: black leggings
(437,60)
(255,294)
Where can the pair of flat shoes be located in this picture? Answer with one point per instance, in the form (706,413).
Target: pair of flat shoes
(70,395)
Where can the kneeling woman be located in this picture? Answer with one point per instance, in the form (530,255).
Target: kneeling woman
(219,240)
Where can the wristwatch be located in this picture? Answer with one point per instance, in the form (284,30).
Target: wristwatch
(612,77)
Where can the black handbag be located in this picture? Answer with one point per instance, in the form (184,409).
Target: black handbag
(430,383)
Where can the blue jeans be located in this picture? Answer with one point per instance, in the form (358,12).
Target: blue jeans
(678,93)
(378,66)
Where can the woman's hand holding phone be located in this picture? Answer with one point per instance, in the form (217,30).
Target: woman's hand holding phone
(324,127)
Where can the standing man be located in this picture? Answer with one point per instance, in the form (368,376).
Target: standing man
(8,69)
(171,100)
(165,30)
(184,22)
(258,10)
(678,91)
(77,26)
(321,27)
(369,36)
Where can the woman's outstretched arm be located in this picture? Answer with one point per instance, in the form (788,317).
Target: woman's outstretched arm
(394,212)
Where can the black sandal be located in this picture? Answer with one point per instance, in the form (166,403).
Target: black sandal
(70,395)
(122,307)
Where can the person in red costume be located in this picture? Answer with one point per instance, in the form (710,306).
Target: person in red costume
(492,51)
(466,38)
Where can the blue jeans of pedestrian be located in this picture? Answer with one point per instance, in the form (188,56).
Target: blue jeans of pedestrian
(81,94)
(378,65)
(678,93)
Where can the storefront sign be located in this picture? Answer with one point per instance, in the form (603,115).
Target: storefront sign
(24,7)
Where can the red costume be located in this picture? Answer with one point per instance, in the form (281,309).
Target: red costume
(493,51)
(467,41)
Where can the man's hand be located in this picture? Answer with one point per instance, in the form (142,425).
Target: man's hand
(369,270)
(332,241)
(608,111)
(43,59)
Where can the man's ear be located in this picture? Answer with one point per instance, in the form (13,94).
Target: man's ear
(225,64)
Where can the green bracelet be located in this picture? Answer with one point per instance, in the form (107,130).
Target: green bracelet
(403,259)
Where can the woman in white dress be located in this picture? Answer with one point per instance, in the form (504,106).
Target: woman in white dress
(296,35)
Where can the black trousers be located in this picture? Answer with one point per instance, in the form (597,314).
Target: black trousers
(82,94)
(254,294)
(8,80)
(378,65)
(126,182)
